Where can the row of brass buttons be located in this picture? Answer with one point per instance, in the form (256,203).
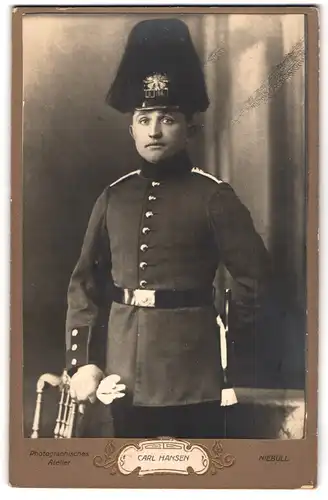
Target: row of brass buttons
(146,230)
(74,346)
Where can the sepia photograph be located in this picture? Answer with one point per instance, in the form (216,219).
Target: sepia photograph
(164,225)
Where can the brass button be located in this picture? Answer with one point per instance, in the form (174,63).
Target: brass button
(143,265)
(145,230)
(151,197)
(75,332)
(74,361)
(144,247)
(155,183)
(149,214)
(74,347)
(143,283)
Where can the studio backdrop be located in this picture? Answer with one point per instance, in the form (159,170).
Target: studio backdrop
(252,136)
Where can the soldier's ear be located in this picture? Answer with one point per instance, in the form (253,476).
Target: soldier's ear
(131,131)
(192,130)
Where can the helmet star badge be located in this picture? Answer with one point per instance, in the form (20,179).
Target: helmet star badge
(156,85)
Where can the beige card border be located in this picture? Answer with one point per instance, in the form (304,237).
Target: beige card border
(246,471)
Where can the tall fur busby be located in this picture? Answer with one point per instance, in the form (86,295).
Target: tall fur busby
(159,68)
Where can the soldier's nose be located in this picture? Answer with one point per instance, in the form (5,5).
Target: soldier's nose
(155,131)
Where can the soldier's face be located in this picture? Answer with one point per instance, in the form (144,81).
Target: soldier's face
(159,134)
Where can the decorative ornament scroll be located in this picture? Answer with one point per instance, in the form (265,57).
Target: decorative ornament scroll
(109,460)
(158,457)
(219,459)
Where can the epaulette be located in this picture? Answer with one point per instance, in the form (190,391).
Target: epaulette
(197,170)
(124,177)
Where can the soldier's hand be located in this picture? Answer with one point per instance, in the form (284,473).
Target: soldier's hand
(84,383)
(110,389)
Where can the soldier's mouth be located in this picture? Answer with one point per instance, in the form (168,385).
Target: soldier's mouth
(155,145)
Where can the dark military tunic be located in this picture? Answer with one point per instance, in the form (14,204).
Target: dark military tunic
(164,229)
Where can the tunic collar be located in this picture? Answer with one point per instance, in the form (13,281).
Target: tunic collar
(175,166)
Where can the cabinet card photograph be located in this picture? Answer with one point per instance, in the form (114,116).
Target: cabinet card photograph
(164,247)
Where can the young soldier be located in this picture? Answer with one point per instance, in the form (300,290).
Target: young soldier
(157,235)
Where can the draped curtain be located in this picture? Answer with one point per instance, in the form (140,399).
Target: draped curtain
(254,138)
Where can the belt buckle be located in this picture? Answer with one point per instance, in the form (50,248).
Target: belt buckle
(143,298)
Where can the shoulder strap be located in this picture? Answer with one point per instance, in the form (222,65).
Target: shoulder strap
(124,177)
(197,170)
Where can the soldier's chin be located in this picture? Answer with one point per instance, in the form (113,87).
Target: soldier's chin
(155,155)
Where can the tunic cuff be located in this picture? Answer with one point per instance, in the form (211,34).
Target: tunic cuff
(78,352)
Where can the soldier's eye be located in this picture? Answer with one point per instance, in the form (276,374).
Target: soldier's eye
(143,120)
(168,120)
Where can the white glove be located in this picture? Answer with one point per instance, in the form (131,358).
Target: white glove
(109,389)
(84,383)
